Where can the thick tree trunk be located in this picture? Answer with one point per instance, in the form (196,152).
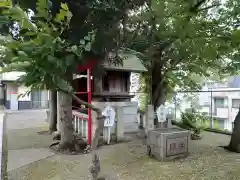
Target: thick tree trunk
(52,111)
(99,128)
(65,122)
(158,85)
(160,98)
(234,144)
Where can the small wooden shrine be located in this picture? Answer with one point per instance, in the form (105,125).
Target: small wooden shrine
(112,86)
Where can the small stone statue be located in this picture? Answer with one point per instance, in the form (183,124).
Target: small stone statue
(95,168)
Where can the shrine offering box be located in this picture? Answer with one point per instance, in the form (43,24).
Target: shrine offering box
(168,143)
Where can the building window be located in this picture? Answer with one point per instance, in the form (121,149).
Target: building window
(39,99)
(206,104)
(219,102)
(235,103)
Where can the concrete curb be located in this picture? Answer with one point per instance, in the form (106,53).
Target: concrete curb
(25,111)
(218,131)
(3,147)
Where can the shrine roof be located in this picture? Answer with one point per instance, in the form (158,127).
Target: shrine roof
(130,63)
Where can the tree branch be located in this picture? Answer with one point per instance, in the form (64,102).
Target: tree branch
(86,104)
(196,6)
(135,34)
(97,110)
(209,7)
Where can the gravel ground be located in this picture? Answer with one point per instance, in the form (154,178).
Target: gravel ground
(28,138)
(128,161)
(26,119)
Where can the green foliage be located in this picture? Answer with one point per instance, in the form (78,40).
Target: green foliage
(144,99)
(40,50)
(180,41)
(105,17)
(59,37)
(144,90)
(190,120)
(196,121)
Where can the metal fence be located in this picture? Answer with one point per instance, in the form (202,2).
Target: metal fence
(216,108)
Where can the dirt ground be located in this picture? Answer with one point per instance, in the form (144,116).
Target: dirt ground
(128,161)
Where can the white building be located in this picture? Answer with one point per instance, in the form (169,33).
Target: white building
(12,94)
(221,103)
(218,100)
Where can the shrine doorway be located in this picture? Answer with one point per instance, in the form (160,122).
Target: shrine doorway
(80,85)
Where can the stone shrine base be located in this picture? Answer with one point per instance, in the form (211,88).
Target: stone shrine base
(168,143)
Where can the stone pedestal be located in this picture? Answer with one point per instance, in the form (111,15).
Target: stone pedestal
(120,125)
(168,143)
(149,119)
(126,117)
(166,124)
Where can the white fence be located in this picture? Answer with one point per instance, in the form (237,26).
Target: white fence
(80,124)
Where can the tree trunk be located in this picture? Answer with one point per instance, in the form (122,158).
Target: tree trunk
(157,100)
(52,111)
(160,98)
(99,128)
(158,86)
(65,122)
(234,144)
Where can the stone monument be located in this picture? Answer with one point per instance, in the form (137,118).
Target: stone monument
(167,142)
(161,116)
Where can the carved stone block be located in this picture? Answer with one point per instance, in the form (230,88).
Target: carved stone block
(168,143)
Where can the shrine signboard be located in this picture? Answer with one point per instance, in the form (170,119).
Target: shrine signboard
(109,113)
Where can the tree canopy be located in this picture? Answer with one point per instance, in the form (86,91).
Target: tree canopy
(103,17)
(178,41)
(181,40)
(39,49)
(59,37)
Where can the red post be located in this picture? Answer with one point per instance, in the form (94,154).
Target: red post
(89,89)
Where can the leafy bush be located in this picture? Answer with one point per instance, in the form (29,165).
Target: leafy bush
(193,121)
(196,122)
(190,120)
